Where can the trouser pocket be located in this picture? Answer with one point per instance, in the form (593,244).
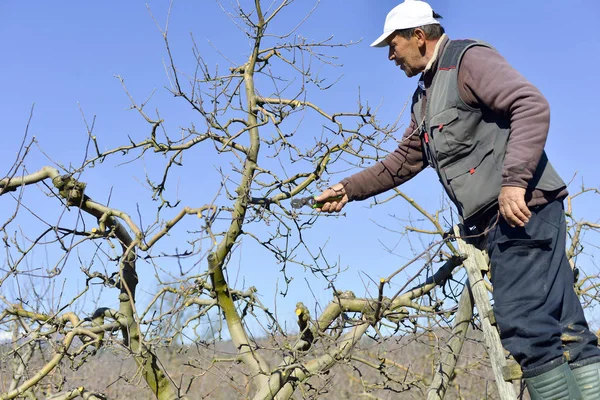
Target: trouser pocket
(520,269)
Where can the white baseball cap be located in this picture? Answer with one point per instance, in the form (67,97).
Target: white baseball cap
(410,14)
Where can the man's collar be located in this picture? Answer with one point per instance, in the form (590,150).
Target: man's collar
(430,69)
(436,52)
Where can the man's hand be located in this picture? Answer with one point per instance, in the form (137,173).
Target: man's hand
(333,206)
(513,207)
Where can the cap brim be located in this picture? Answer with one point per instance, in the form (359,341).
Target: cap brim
(382,40)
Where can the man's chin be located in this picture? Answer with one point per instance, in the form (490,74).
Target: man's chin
(409,72)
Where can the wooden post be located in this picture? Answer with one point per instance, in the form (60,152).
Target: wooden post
(474,263)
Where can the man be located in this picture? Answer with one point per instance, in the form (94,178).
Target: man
(482,126)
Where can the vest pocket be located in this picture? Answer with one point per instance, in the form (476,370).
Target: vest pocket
(446,139)
(445,117)
(474,181)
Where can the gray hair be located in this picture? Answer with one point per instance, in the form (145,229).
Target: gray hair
(432,31)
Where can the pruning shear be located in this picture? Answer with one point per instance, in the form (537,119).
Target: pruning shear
(310,201)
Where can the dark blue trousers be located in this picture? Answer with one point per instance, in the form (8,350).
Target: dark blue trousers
(539,316)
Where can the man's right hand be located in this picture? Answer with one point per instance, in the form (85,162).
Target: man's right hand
(332,206)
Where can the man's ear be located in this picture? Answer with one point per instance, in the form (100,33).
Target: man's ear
(420,37)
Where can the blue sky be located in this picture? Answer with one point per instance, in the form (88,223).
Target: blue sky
(63,58)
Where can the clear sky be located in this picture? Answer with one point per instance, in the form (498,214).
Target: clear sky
(64,56)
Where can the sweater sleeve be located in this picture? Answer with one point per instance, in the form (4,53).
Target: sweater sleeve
(487,81)
(396,168)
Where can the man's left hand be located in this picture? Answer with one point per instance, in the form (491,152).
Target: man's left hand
(513,207)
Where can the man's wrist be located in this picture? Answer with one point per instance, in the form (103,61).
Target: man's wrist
(348,188)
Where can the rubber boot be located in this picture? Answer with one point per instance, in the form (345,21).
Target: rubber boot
(557,384)
(588,380)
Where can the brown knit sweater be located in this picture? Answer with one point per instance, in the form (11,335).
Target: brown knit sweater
(485,81)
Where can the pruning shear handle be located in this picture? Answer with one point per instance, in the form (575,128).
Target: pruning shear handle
(310,201)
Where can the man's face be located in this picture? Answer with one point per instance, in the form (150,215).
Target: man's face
(406,54)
